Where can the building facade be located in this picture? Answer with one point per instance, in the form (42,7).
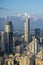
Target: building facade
(3,41)
(8,37)
(34,46)
(26,30)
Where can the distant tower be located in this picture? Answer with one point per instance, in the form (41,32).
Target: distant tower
(26,29)
(8,37)
(37,33)
(3,41)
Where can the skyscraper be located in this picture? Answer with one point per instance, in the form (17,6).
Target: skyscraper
(26,29)
(3,41)
(37,33)
(8,37)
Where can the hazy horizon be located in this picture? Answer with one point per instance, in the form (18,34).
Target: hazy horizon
(12,7)
(16,10)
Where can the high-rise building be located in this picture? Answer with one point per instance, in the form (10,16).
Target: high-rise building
(37,33)
(34,46)
(0,40)
(8,37)
(26,30)
(3,41)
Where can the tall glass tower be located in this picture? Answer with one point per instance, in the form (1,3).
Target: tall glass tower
(8,37)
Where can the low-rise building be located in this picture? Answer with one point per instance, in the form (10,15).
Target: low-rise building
(39,58)
(9,60)
(38,61)
(25,59)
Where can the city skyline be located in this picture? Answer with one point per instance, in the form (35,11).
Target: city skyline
(21,32)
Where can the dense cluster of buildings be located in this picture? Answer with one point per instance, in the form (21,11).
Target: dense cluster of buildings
(23,49)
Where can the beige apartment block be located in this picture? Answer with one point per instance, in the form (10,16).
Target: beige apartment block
(39,58)
(40,54)
(38,61)
(25,59)
(9,60)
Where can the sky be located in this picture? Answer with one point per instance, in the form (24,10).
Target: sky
(12,7)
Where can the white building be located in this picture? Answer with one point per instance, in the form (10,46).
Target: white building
(26,30)
(34,46)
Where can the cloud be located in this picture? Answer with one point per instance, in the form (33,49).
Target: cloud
(27,15)
(23,16)
(2,8)
(18,14)
(5,17)
(34,17)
